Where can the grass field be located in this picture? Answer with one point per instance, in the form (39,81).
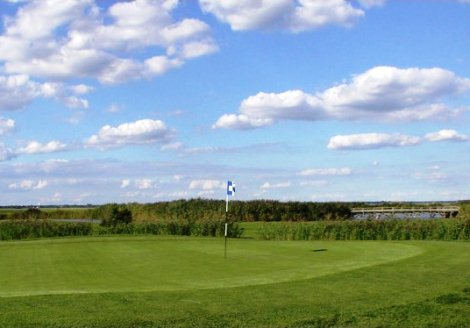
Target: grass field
(182,282)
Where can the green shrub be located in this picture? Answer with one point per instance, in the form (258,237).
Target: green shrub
(241,211)
(437,229)
(116,215)
(27,229)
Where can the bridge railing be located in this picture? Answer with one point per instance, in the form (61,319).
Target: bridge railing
(444,209)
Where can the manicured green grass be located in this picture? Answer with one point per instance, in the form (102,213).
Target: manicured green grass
(183,282)
(148,263)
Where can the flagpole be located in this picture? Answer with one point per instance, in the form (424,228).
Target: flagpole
(230,192)
(226,228)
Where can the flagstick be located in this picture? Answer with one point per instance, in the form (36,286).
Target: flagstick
(226,228)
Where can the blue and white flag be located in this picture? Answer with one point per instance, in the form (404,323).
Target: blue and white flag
(230,188)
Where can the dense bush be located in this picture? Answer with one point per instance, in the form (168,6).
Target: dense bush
(78,213)
(27,229)
(117,215)
(437,229)
(29,214)
(241,211)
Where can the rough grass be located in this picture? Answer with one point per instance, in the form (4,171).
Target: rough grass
(428,285)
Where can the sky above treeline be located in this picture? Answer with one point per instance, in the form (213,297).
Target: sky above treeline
(311,100)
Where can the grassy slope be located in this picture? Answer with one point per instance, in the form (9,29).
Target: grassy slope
(429,289)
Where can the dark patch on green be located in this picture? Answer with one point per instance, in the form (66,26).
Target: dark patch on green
(450,299)
(320,250)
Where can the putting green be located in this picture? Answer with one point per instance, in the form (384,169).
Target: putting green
(150,263)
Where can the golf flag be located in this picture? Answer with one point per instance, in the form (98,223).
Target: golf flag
(230,192)
(230,188)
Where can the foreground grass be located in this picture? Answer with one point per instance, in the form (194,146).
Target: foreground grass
(423,284)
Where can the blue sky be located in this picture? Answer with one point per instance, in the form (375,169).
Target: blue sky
(312,100)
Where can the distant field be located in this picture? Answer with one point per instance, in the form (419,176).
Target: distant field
(185,282)
(8,210)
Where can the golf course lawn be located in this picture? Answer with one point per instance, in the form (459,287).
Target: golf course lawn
(149,281)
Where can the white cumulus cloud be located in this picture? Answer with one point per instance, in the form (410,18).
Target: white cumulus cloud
(35,147)
(140,132)
(206,184)
(6,125)
(144,183)
(125,183)
(382,93)
(371,141)
(76,38)
(28,185)
(268,185)
(18,91)
(326,172)
(446,135)
(290,15)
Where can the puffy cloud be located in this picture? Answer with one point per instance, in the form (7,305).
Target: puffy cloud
(35,147)
(446,135)
(6,153)
(18,91)
(290,15)
(144,183)
(6,125)
(28,185)
(76,39)
(268,185)
(140,132)
(38,19)
(241,122)
(81,89)
(371,141)
(326,172)
(315,183)
(392,89)
(207,185)
(382,93)
(125,183)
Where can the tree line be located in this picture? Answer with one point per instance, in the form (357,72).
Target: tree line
(202,209)
(239,211)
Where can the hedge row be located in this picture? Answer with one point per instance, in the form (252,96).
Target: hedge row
(437,229)
(28,229)
(241,211)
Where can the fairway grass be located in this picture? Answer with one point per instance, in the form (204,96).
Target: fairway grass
(149,263)
(185,282)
